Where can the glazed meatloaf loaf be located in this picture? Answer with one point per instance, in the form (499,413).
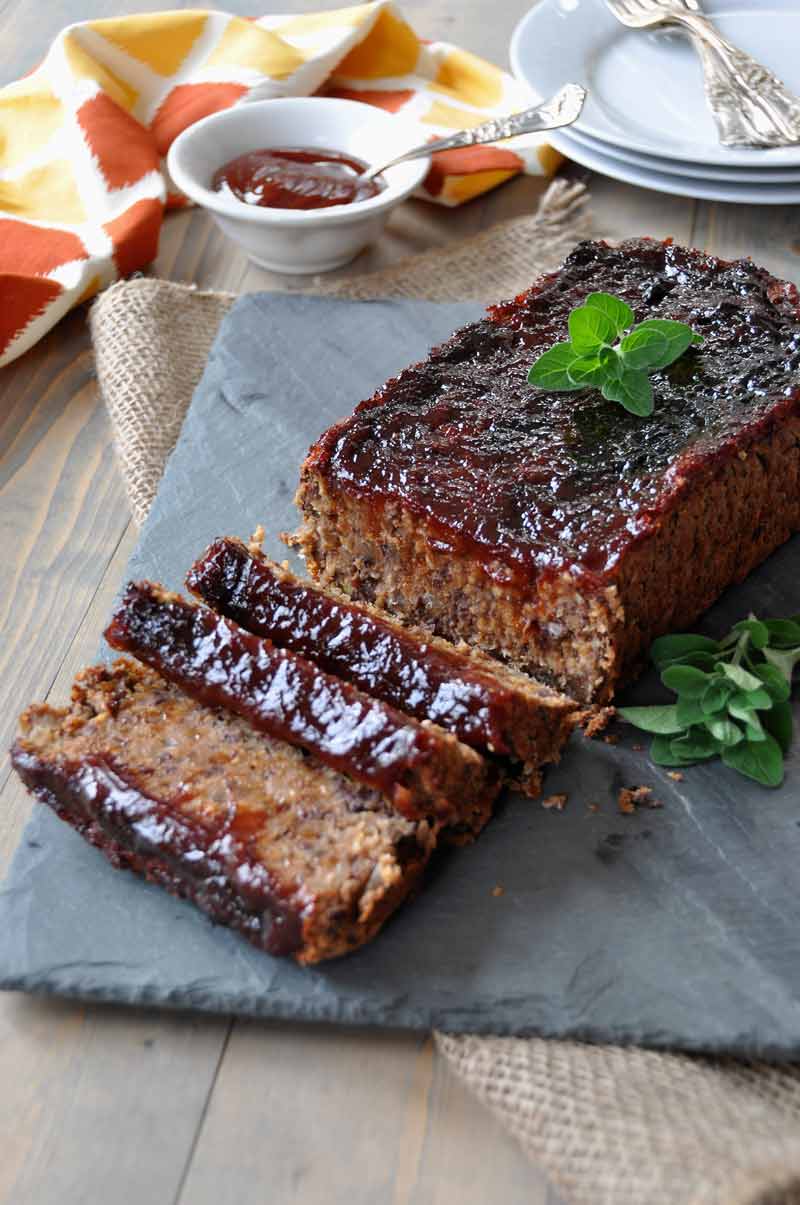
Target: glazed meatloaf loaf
(557,531)
(484,704)
(263,838)
(421,769)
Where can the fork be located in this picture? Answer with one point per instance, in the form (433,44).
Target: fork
(750,105)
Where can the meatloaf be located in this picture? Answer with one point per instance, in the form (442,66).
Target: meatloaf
(481,702)
(557,531)
(261,837)
(422,770)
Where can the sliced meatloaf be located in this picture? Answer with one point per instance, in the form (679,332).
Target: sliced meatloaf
(483,703)
(263,838)
(557,531)
(421,769)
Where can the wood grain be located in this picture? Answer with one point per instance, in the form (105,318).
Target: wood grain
(61,513)
(102,1105)
(360,1117)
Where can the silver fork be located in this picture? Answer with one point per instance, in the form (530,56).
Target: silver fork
(750,105)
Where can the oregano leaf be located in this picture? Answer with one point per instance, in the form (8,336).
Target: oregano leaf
(716,696)
(652,719)
(614,309)
(661,753)
(740,677)
(783,660)
(757,631)
(783,633)
(551,369)
(689,711)
(696,743)
(672,648)
(775,683)
(686,680)
(590,329)
(760,760)
(632,390)
(677,337)
(642,348)
(779,722)
(724,731)
(588,370)
(760,699)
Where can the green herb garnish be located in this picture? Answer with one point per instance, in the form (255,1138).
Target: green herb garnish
(733,698)
(600,355)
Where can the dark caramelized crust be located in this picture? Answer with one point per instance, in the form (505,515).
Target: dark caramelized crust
(555,529)
(421,769)
(481,702)
(263,838)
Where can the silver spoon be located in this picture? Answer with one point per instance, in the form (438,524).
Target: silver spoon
(560,110)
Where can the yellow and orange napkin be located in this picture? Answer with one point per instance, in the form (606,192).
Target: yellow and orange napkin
(83,138)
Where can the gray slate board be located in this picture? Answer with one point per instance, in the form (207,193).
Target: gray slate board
(676,927)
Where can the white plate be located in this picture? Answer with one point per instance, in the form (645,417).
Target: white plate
(646,88)
(609,164)
(732,175)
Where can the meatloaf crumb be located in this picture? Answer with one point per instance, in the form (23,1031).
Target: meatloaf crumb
(555,803)
(630,798)
(261,837)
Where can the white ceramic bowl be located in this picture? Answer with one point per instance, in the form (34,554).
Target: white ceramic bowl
(287,240)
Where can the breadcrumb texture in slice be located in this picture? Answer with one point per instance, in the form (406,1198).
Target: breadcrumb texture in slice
(259,835)
(422,769)
(482,702)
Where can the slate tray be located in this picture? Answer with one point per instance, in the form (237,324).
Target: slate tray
(675,927)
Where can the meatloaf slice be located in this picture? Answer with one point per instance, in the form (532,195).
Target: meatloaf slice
(483,703)
(557,531)
(261,837)
(422,770)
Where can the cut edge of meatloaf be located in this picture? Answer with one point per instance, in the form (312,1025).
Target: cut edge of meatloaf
(584,643)
(483,703)
(423,770)
(259,836)
(386,557)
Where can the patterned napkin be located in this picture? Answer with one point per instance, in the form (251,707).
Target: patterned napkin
(83,138)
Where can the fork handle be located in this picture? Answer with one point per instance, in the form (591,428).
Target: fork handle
(751,106)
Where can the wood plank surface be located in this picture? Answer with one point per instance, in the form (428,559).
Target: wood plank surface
(356,1117)
(110,1105)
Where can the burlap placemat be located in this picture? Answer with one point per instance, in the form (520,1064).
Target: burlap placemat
(609,1126)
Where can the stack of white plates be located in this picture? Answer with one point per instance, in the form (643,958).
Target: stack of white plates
(646,120)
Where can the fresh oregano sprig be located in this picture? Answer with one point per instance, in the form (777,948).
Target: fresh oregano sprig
(600,355)
(733,698)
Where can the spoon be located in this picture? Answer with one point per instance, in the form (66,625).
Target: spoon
(560,110)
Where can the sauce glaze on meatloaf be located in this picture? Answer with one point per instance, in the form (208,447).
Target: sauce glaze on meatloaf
(422,770)
(556,530)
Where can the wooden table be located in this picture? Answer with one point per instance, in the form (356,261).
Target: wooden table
(102,1105)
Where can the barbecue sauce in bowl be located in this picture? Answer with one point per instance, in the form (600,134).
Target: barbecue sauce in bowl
(296,178)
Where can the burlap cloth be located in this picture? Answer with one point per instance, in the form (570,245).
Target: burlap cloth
(609,1126)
